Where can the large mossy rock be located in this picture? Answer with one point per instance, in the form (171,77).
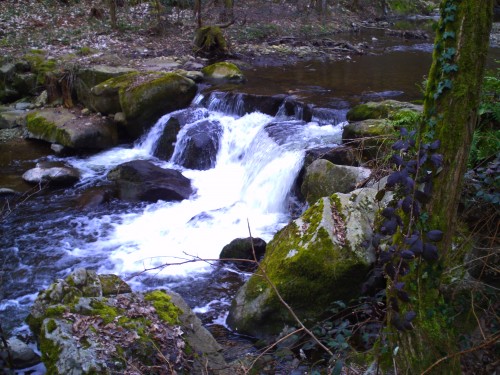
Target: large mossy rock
(140,180)
(223,72)
(149,96)
(142,97)
(323,178)
(59,125)
(372,138)
(93,324)
(87,78)
(379,110)
(315,260)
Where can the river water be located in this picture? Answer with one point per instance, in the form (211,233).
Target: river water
(250,186)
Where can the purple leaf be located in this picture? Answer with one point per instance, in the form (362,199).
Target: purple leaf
(437,160)
(410,315)
(407,254)
(393,179)
(388,212)
(435,145)
(435,235)
(430,252)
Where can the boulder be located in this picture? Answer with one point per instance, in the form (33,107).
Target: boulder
(242,248)
(140,180)
(380,110)
(88,77)
(59,125)
(223,72)
(12,118)
(165,147)
(372,138)
(200,144)
(340,155)
(142,97)
(52,175)
(323,178)
(315,260)
(22,355)
(149,96)
(94,197)
(84,329)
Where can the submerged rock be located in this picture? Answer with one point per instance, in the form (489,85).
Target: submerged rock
(53,175)
(244,248)
(315,260)
(140,180)
(22,355)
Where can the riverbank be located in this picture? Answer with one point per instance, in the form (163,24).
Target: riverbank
(80,33)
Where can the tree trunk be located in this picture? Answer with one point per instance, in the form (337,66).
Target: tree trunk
(112,13)
(450,115)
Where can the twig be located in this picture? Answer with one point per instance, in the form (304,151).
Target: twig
(494,339)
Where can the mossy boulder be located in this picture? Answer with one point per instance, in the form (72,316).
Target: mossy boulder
(59,125)
(315,260)
(83,330)
(372,138)
(105,96)
(380,110)
(87,78)
(151,95)
(223,72)
(323,178)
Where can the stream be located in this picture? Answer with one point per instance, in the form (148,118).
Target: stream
(250,188)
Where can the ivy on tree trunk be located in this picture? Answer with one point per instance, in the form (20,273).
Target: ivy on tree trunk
(450,115)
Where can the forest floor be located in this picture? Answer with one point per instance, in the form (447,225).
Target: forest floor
(263,32)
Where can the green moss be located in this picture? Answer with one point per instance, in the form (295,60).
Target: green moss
(41,127)
(165,309)
(55,311)
(50,354)
(223,71)
(51,326)
(106,312)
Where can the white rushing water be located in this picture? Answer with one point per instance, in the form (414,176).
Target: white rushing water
(250,183)
(257,163)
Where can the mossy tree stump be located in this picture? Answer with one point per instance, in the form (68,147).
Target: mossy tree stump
(210,42)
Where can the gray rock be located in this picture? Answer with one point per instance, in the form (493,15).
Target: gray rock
(59,125)
(316,259)
(22,355)
(323,178)
(241,248)
(12,119)
(141,180)
(89,77)
(53,176)
(200,145)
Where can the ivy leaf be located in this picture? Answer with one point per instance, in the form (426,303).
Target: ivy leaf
(449,18)
(410,315)
(435,145)
(435,235)
(400,145)
(407,254)
(430,252)
(449,53)
(388,212)
(448,35)
(397,160)
(417,247)
(448,68)
(403,296)
(380,195)
(450,8)
(437,160)
(393,179)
